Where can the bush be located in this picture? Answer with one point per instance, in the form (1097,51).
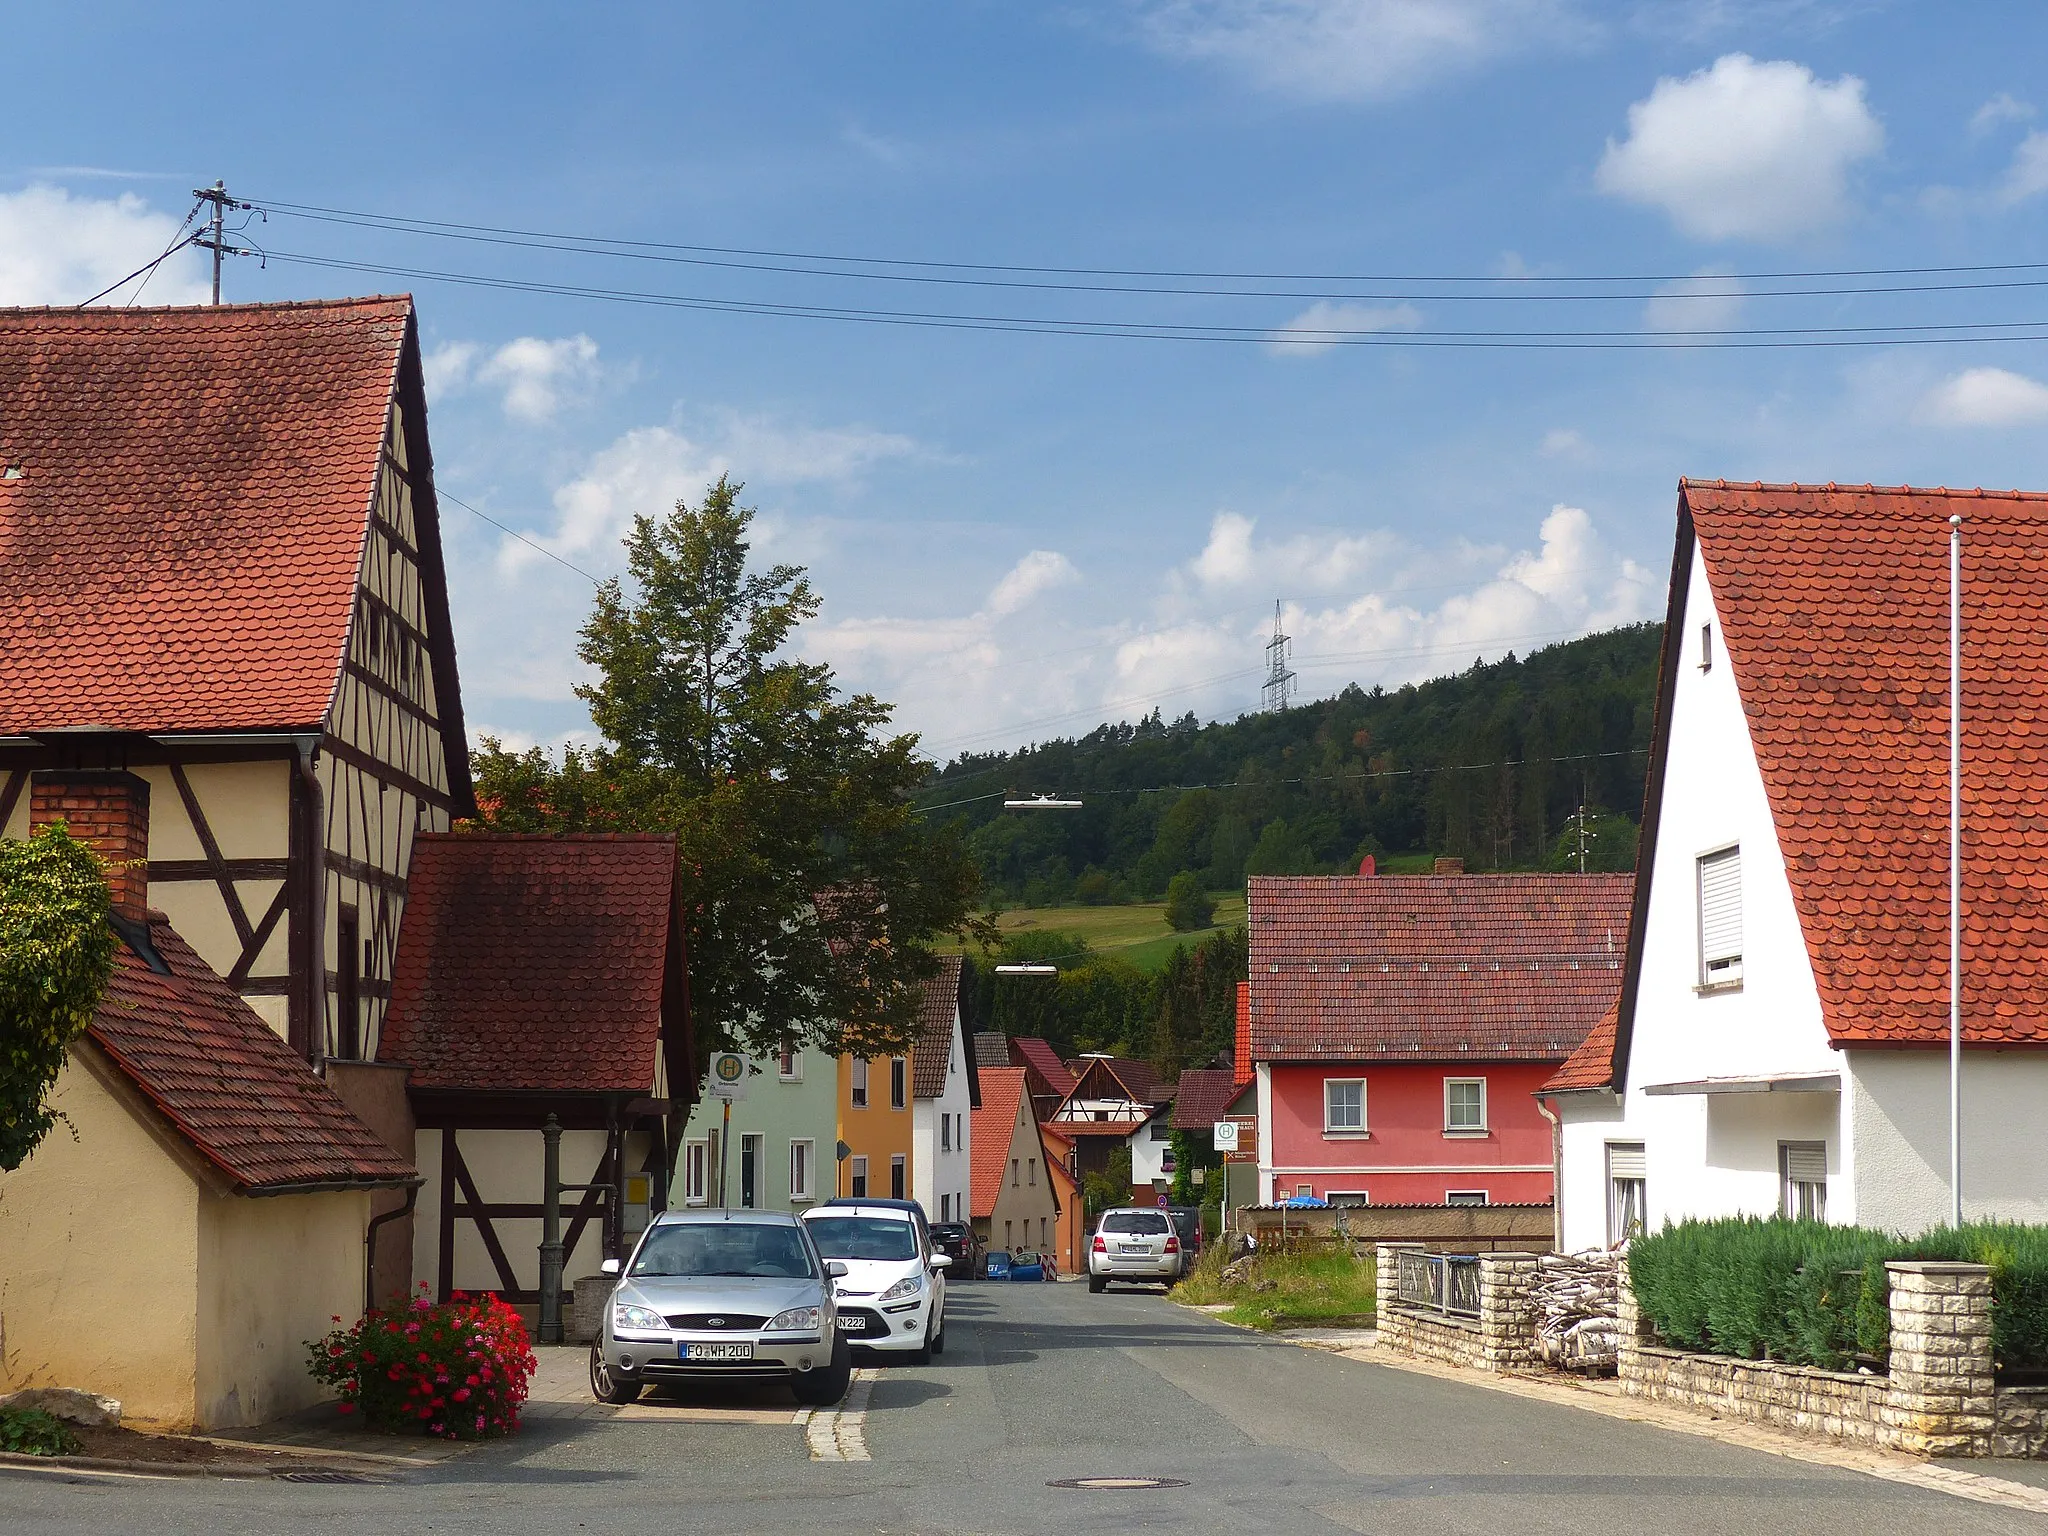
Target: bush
(458,1370)
(1807,1293)
(1188,906)
(32,1432)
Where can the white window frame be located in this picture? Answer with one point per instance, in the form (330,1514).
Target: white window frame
(1466,1197)
(1800,1193)
(1332,1129)
(789,1065)
(1720,964)
(1348,1196)
(803,1158)
(1465,1130)
(899,1082)
(945,1133)
(1633,1154)
(697,1172)
(1707,647)
(857,1176)
(1304,1191)
(858,1088)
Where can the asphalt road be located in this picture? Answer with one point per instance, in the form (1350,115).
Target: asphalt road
(1047,1382)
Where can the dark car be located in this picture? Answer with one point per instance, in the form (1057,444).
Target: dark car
(1187,1223)
(956,1240)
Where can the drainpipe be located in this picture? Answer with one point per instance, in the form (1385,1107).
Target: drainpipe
(412,1195)
(1556,1173)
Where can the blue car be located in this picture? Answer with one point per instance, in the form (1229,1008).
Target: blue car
(1027,1266)
(998,1264)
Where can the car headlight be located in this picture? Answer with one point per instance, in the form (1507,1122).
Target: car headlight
(796,1319)
(908,1286)
(625,1316)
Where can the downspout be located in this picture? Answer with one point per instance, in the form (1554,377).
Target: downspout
(314,959)
(1556,1173)
(412,1196)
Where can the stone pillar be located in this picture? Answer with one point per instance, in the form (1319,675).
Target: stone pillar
(1507,1316)
(1942,1400)
(1630,1330)
(1394,1332)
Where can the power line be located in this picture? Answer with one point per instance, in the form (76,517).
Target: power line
(404,223)
(446,495)
(1730,339)
(179,239)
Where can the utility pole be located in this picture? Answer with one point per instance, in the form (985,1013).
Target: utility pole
(214,237)
(1279,684)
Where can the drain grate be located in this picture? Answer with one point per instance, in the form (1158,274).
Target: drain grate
(1118,1484)
(324,1477)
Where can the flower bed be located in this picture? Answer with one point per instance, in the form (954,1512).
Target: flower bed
(458,1369)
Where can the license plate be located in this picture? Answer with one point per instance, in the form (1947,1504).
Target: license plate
(1132,1248)
(718,1351)
(852,1324)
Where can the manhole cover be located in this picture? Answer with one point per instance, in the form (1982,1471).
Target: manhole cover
(1117,1484)
(323,1477)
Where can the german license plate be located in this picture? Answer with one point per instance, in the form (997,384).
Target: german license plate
(852,1324)
(1132,1248)
(718,1351)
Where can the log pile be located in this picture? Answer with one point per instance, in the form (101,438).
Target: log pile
(1576,1302)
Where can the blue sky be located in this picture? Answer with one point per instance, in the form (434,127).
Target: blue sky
(1017,535)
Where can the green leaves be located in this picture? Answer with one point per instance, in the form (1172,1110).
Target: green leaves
(56,955)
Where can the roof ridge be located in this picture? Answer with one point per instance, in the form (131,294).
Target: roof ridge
(1831,487)
(263,306)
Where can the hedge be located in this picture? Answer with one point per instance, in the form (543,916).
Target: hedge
(1807,1293)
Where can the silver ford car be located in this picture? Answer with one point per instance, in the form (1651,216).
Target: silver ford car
(722,1296)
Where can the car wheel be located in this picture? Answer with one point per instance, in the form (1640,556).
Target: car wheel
(1096,1284)
(938,1345)
(605,1384)
(821,1389)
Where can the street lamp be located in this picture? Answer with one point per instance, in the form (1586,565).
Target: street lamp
(1041,803)
(1027,970)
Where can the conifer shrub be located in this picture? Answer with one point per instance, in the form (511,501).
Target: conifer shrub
(1806,1293)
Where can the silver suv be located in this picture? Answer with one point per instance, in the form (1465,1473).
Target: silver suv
(1134,1244)
(723,1296)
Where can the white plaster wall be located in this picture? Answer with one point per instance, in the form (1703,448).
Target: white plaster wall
(1590,1121)
(933,1170)
(1148,1157)
(1898,1117)
(1263,1096)
(1718,1155)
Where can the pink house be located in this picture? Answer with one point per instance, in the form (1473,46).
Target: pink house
(1400,1026)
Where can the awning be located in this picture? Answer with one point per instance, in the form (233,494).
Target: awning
(1791,1082)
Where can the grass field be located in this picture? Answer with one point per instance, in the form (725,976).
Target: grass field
(1285,1289)
(1137,932)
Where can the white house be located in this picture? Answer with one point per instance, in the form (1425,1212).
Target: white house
(1151,1144)
(943,1098)
(1781,1038)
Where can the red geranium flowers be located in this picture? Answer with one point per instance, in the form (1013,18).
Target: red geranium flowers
(394,1366)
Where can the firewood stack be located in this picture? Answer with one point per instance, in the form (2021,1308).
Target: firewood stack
(1576,1303)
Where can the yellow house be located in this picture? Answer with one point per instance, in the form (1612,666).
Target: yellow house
(875,1123)
(206,1210)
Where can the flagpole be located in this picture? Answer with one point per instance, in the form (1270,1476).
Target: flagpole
(1955,868)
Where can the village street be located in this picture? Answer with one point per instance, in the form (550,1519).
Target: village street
(1040,1383)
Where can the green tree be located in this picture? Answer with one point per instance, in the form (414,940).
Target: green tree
(1280,850)
(1177,1032)
(1188,906)
(809,888)
(1101,1191)
(56,957)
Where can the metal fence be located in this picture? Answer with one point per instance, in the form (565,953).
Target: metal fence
(1441,1282)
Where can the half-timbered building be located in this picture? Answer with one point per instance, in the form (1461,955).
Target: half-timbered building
(221,554)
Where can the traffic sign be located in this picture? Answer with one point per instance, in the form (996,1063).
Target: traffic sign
(728,1076)
(1226,1135)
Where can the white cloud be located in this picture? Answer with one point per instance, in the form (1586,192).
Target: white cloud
(1233,559)
(534,376)
(1998,111)
(1986,397)
(1714,304)
(60,249)
(1323,325)
(1565,443)
(1039,571)
(649,469)
(1745,150)
(2028,175)
(1342,50)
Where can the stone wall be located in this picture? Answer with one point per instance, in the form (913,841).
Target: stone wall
(1501,1338)
(2022,1422)
(1789,1396)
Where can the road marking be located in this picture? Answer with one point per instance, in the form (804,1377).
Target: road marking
(839,1434)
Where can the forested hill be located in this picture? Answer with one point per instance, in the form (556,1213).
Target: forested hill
(1488,765)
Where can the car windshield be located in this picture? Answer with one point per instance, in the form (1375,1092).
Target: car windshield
(724,1248)
(952,1232)
(1147,1222)
(863,1237)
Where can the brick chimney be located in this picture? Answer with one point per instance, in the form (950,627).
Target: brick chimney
(109,812)
(1450,866)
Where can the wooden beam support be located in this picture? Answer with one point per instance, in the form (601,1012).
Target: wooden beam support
(384,773)
(252,947)
(10,794)
(216,862)
(384,690)
(368,874)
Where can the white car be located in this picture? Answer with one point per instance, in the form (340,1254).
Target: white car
(893,1295)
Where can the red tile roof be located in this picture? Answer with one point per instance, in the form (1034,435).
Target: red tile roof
(1139,1079)
(1475,967)
(533,963)
(1592,1064)
(180,550)
(936,1022)
(1202,1094)
(244,1100)
(1833,605)
(1030,1051)
(992,1126)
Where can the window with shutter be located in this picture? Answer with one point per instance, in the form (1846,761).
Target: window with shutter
(1803,1166)
(1627,1191)
(1721,918)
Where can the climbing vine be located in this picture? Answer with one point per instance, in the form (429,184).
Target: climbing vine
(56,955)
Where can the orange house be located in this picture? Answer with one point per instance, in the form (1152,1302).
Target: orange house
(875,1123)
(1072,1221)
